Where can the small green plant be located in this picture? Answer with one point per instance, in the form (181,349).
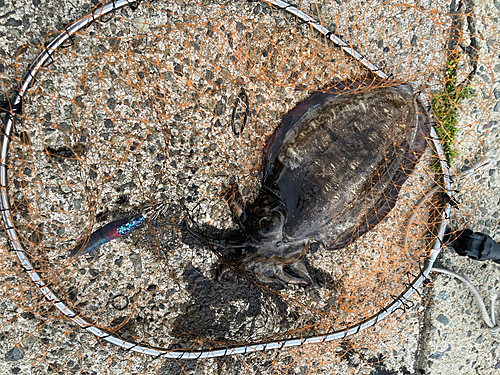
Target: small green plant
(445,109)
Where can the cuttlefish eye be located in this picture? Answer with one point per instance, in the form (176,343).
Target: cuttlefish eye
(254,172)
(268,224)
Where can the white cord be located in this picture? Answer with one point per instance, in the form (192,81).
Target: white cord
(477,167)
(488,319)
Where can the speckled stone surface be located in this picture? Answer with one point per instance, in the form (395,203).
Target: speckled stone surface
(446,334)
(454,337)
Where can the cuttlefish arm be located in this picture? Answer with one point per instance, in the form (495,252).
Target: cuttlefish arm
(106,233)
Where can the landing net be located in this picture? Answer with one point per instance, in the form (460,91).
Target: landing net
(143,102)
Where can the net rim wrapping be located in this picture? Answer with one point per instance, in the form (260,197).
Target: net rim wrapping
(400,302)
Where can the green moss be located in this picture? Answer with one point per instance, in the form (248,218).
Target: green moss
(445,109)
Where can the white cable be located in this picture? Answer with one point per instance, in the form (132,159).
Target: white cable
(489,320)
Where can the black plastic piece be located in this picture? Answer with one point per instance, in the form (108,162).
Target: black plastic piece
(475,245)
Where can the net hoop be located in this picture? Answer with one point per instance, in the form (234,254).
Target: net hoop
(401,302)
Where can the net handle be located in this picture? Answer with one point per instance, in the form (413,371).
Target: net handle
(15,245)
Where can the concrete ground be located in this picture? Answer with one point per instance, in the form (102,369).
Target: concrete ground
(449,336)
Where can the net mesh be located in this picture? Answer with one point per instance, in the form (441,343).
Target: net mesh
(174,103)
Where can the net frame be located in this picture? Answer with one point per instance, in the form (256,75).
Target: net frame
(401,302)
